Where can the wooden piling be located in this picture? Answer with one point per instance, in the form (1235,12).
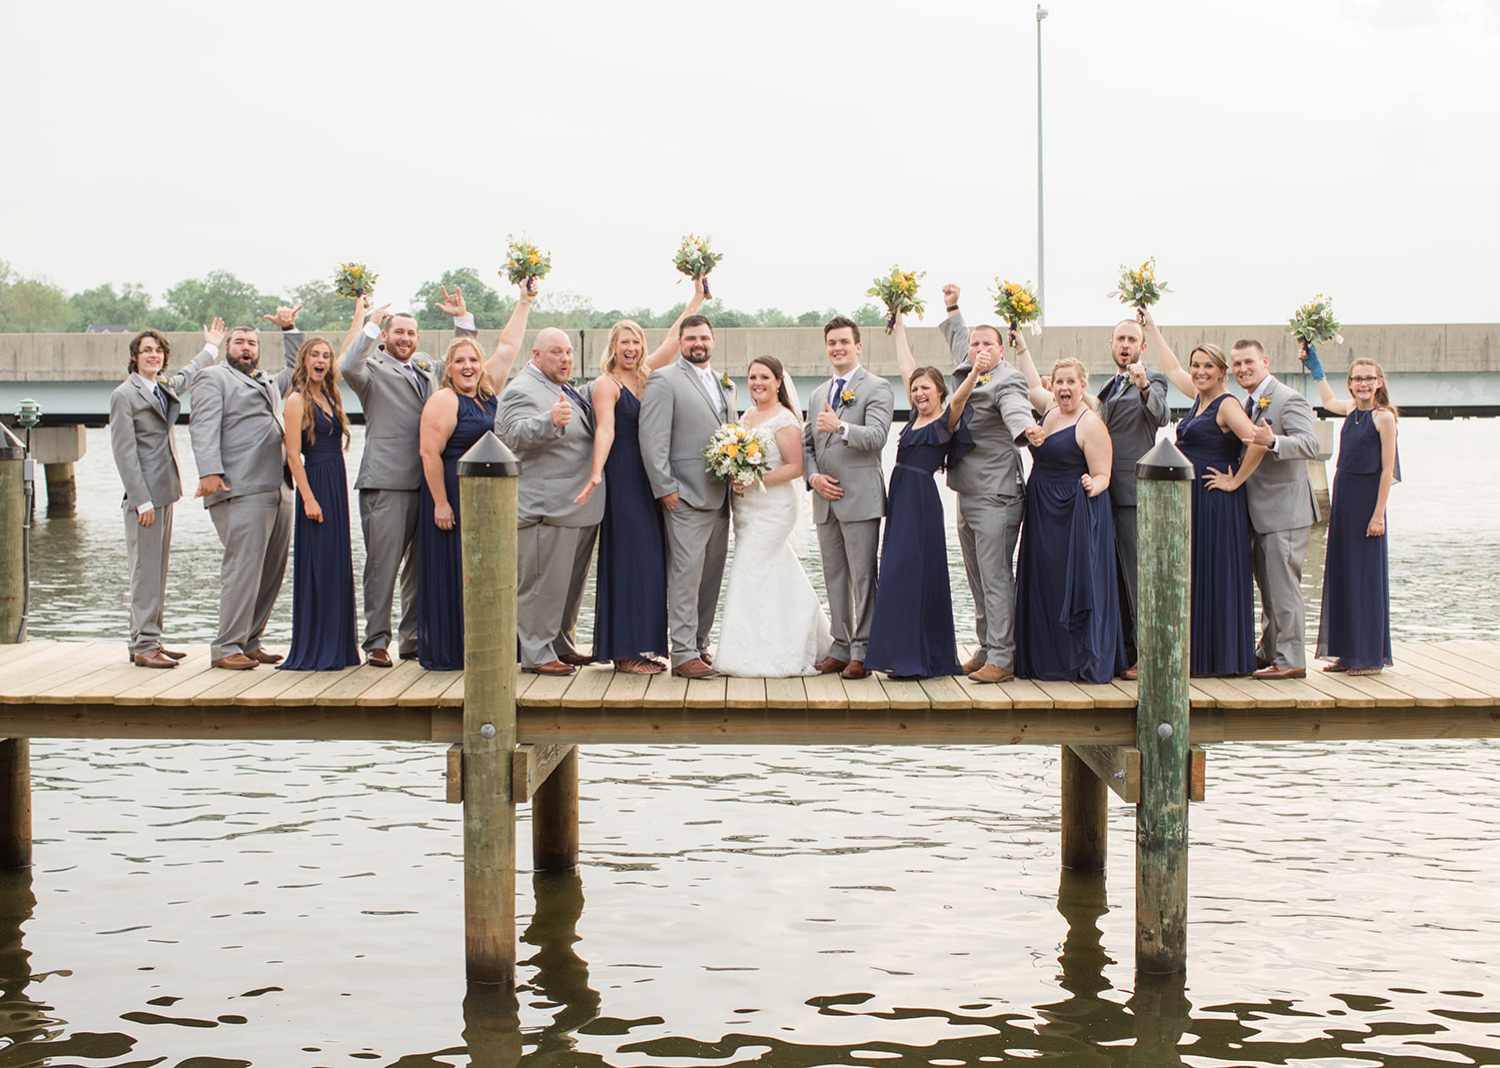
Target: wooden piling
(1163,478)
(554,817)
(15,753)
(487,478)
(1085,815)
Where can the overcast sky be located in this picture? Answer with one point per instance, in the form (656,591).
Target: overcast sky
(1262,152)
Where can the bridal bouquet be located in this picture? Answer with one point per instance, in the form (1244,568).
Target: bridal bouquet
(1017,304)
(1139,287)
(695,259)
(738,454)
(898,291)
(525,263)
(354,280)
(1314,323)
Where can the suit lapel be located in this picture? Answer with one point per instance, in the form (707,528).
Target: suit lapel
(699,388)
(147,391)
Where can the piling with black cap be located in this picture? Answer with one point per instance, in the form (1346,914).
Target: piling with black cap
(1163,492)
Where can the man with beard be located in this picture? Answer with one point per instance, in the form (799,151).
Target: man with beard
(393,380)
(237,438)
(683,405)
(1133,406)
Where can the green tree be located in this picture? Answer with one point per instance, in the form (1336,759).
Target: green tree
(491,311)
(130,307)
(322,307)
(869,315)
(31,305)
(219,293)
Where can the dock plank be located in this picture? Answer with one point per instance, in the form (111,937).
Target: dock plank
(744,693)
(106,679)
(825,692)
(866,694)
(946,692)
(785,693)
(905,696)
(309,687)
(665,691)
(627,692)
(1064,694)
(12,653)
(430,688)
(394,681)
(589,686)
(18,684)
(351,686)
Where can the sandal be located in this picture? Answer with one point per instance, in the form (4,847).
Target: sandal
(1338,667)
(1364,671)
(638,667)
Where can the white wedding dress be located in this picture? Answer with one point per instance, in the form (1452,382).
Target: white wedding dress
(774,626)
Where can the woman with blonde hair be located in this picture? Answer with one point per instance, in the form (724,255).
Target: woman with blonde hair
(459,413)
(630,599)
(1223,593)
(1354,624)
(1067,593)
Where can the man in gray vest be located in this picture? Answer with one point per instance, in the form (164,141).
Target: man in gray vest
(237,437)
(990,487)
(1133,406)
(393,380)
(550,427)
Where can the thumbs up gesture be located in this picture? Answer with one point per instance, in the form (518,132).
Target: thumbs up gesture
(562,411)
(828,420)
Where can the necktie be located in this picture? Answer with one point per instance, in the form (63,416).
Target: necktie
(838,390)
(161,399)
(573,398)
(1250,406)
(417,378)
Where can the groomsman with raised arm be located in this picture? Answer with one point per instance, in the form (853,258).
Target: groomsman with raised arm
(238,438)
(550,427)
(393,380)
(683,405)
(990,487)
(848,421)
(1282,509)
(1133,406)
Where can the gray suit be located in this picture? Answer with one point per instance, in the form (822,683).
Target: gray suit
(390,477)
(678,416)
(142,436)
(849,528)
(1282,512)
(991,495)
(556,536)
(1132,418)
(237,434)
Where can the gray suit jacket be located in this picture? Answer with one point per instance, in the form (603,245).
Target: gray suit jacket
(1132,418)
(1000,413)
(1278,491)
(677,419)
(236,426)
(143,437)
(555,462)
(856,462)
(393,410)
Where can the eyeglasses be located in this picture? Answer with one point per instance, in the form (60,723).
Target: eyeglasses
(1365,379)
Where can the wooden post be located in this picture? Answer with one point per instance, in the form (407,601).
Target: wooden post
(1163,478)
(554,817)
(62,489)
(15,753)
(487,480)
(1085,815)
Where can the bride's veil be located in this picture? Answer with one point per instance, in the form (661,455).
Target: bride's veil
(799,537)
(791,391)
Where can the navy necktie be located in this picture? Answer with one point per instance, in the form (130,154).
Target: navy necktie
(161,399)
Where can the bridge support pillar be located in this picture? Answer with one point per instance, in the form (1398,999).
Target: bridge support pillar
(57,449)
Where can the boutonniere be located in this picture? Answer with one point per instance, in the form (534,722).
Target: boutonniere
(846,398)
(982,380)
(726,381)
(1262,404)
(422,365)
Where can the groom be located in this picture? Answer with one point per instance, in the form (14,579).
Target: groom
(848,420)
(682,407)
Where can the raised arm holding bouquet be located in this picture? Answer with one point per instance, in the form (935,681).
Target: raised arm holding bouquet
(1312,323)
(525,264)
(1017,304)
(898,292)
(1138,286)
(695,258)
(354,280)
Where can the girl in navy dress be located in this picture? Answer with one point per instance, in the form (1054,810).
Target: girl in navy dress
(1222,626)
(457,415)
(630,598)
(911,631)
(1354,627)
(325,636)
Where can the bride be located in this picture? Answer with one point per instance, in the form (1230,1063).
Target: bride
(774,625)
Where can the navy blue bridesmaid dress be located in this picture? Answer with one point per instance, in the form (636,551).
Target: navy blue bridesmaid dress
(911,630)
(1223,592)
(1067,594)
(325,635)
(630,599)
(440,569)
(1354,625)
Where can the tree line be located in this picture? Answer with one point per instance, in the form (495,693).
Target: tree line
(36,305)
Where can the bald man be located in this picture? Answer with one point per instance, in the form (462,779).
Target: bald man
(550,427)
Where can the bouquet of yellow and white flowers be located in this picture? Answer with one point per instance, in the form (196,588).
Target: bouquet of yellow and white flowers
(524,262)
(354,280)
(898,291)
(738,454)
(1138,287)
(695,259)
(1314,323)
(1017,304)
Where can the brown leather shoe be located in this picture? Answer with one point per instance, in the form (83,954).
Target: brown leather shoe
(576,659)
(972,665)
(694,669)
(1131,673)
(829,664)
(707,658)
(855,669)
(260,656)
(154,658)
(171,653)
(1262,663)
(992,673)
(1277,671)
(236,662)
(553,667)
(378,658)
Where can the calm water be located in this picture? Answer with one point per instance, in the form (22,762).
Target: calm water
(279,904)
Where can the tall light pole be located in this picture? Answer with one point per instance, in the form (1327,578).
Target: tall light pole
(1041,263)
